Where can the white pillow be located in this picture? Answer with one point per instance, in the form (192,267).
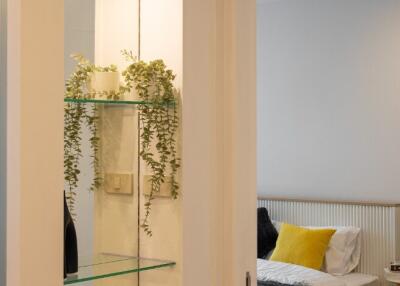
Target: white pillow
(344,249)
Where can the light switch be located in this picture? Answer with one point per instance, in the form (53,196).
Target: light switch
(165,188)
(118,183)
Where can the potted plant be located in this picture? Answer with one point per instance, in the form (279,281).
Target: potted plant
(105,81)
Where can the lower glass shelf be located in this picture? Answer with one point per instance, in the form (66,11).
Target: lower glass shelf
(107,265)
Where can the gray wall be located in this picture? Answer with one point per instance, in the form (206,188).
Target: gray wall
(79,38)
(3,138)
(329,99)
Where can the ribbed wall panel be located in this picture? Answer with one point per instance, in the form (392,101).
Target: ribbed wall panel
(379,224)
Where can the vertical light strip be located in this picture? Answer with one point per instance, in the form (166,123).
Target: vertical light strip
(13,155)
(380,226)
(3,138)
(138,146)
(397,245)
(139,28)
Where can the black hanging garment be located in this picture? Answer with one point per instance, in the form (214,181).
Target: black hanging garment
(70,243)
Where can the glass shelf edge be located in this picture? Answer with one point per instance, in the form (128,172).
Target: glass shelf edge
(112,102)
(103,101)
(163,264)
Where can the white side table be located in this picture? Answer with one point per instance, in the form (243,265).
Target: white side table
(392,276)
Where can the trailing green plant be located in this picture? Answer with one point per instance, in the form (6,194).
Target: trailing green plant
(76,115)
(159,123)
(72,151)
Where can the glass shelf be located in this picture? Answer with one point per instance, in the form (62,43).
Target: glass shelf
(107,265)
(111,101)
(103,101)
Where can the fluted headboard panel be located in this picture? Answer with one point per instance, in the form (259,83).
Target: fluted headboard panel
(380,225)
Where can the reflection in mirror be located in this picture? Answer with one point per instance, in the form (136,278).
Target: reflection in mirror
(106,222)
(79,38)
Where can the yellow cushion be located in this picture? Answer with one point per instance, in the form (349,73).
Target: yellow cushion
(302,246)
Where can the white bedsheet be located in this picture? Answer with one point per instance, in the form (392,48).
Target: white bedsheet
(292,274)
(358,279)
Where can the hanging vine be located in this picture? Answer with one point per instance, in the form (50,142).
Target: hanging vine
(75,116)
(72,151)
(159,123)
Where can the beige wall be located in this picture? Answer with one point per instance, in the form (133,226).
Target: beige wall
(161,38)
(244,123)
(13,142)
(219,142)
(202,219)
(116,219)
(3,138)
(35,140)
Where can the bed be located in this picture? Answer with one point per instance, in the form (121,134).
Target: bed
(272,273)
(379,226)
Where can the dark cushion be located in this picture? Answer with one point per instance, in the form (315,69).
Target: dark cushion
(266,233)
(273,283)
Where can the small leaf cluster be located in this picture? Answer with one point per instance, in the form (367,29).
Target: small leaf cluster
(75,116)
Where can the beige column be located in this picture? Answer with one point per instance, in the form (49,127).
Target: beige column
(35,142)
(3,138)
(219,142)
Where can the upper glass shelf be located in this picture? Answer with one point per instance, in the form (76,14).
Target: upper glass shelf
(111,101)
(107,265)
(103,101)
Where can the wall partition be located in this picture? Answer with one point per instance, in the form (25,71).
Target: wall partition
(3,67)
